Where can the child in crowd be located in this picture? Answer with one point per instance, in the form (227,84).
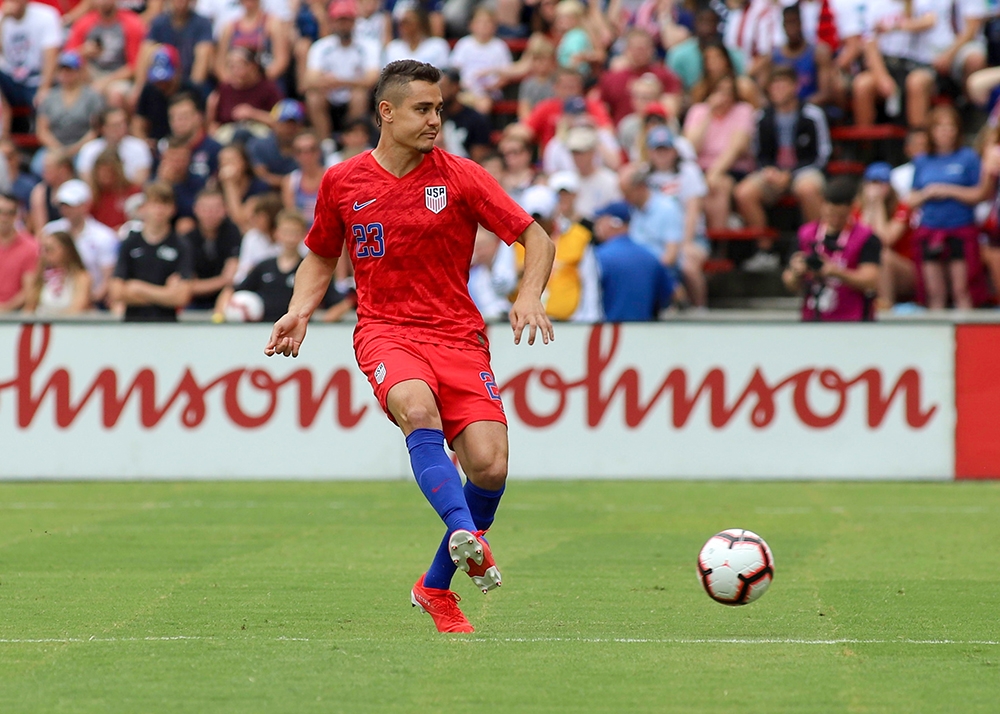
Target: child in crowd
(62,285)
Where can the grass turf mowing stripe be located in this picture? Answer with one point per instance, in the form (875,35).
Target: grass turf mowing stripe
(597,640)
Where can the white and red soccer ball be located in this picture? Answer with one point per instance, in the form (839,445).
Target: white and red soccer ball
(244,306)
(735,567)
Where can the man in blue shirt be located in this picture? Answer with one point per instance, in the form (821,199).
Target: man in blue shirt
(272,155)
(635,286)
(657,220)
(190,33)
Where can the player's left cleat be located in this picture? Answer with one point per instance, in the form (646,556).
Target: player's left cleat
(470,552)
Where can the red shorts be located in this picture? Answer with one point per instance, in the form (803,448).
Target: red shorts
(461,379)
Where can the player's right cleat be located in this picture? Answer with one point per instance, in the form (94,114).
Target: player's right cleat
(442,606)
(470,552)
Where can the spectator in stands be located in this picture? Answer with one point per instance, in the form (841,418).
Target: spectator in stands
(536,71)
(433,10)
(96,243)
(557,155)
(946,188)
(685,58)
(813,63)
(57,169)
(189,35)
(261,35)
(66,115)
(645,92)
(889,219)
(464,130)
(635,286)
(836,266)
(224,12)
(792,147)
(30,36)
(578,47)
(273,278)
(917,144)
(110,189)
(757,34)
(720,130)
(272,155)
(176,170)
(340,73)
(240,108)
(566,184)
(109,39)
(478,57)
(416,42)
(151,121)
(215,248)
(187,124)
(300,188)
(487,287)
(597,184)
(258,239)
(153,275)
(657,221)
(682,181)
(668,21)
(240,185)
(18,257)
(61,285)
(967,52)
(373,23)
(136,158)
(891,64)
(356,138)
(638,58)
(519,171)
(22,183)
(718,63)
(544,119)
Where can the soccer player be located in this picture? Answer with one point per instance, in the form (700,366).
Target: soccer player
(408,213)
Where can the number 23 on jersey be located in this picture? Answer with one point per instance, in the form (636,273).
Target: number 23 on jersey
(369,239)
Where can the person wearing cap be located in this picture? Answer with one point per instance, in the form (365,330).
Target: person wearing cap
(836,267)
(96,242)
(340,72)
(265,36)
(136,157)
(180,28)
(597,184)
(568,91)
(272,155)
(566,184)
(109,39)
(164,81)
(889,219)
(65,117)
(681,180)
(30,37)
(635,286)
(793,146)
(465,131)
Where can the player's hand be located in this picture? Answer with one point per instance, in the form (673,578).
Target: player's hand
(528,312)
(287,336)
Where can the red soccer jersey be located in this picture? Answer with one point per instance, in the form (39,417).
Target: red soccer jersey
(411,241)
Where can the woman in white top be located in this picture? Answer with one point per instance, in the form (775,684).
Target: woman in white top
(416,43)
(62,286)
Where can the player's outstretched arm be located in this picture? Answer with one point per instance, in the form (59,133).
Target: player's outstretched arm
(528,311)
(312,280)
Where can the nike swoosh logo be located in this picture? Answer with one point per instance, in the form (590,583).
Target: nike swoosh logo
(359,206)
(435,490)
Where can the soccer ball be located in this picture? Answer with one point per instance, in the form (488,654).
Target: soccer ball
(735,567)
(244,306)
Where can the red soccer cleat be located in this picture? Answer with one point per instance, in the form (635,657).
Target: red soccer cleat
(442,606)
(471,553)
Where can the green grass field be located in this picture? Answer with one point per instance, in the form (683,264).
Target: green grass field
(294,597)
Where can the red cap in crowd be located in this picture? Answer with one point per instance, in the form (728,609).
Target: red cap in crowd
(343,8)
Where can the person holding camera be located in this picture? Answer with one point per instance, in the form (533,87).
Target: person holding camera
(837,264)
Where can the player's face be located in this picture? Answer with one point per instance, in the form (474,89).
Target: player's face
(417,121)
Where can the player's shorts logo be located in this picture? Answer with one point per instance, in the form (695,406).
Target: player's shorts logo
(380,373)
(435,198)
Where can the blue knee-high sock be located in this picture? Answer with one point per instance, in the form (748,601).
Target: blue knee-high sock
(442,487)
(482,504)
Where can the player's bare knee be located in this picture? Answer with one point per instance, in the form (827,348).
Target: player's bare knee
(418,416)
(490,474)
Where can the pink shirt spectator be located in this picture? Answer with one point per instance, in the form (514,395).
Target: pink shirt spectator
(719,133)
(18,257)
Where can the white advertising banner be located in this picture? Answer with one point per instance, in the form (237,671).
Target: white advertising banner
(649,401)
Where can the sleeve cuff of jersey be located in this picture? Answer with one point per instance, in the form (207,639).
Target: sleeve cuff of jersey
(518,227)
(320,248)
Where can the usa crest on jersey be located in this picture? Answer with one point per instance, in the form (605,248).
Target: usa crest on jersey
(435,198)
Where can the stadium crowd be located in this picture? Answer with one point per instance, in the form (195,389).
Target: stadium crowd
(163,155)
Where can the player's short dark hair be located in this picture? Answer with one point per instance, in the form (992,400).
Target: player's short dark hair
(841,191)
(397,75)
